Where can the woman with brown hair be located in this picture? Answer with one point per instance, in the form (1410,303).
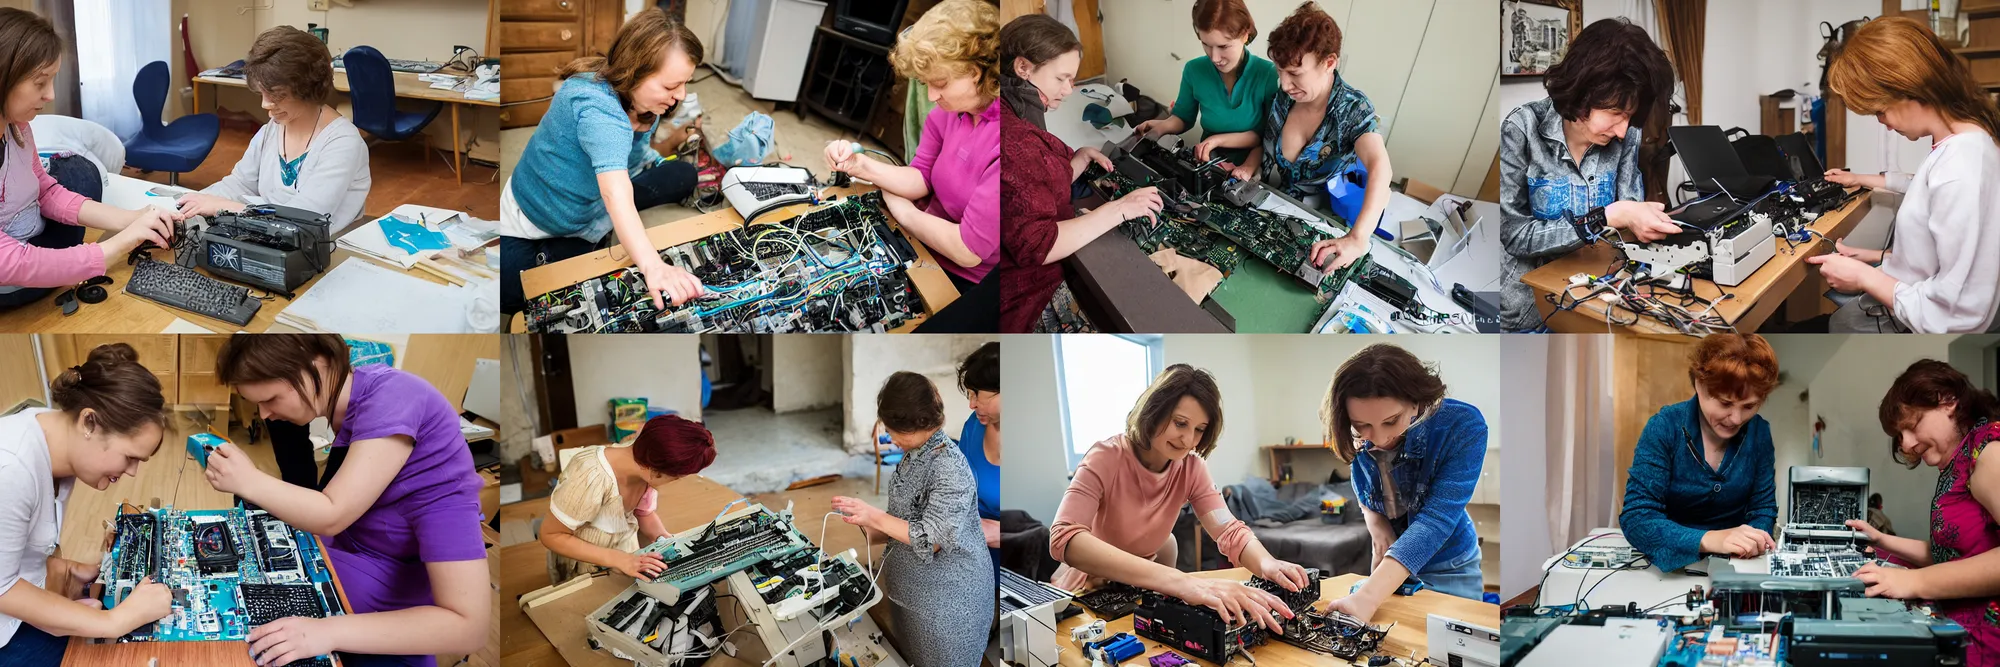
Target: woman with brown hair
(604,503)
(1704,474)
(109,418)
(1116,520)
(1940,277)
(400,519)
(593,162)
(42,245)
(1227,89)
(1934,415)
(1415,456)
(936,566)
(308,156)
(1038,60)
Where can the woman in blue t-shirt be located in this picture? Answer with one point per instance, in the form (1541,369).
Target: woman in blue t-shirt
(979,440)
(576,182)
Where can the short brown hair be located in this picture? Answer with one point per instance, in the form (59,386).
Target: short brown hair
(643,42)
(1611,65)
(1895,58)
(1377,371)
(288,357)
(289,62)
(1226,16)
(1156,406)
(1734,366)
(1036,38)
(1928,384)
(28,43)
(909,403)
(955,38)
(121,394)
(1308,30)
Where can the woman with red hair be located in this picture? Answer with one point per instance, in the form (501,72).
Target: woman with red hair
(603,503)
(1703,478)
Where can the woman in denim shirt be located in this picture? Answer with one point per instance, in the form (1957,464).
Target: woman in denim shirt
(1570,162)
(1703,479)
(1386,411)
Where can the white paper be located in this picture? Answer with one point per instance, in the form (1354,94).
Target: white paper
(359,295)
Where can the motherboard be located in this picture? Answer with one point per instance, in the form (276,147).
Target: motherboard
(228,570)
(1112,601)
(1333,633)
(731,543)
(839,267)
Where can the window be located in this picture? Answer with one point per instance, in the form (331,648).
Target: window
(1098,379)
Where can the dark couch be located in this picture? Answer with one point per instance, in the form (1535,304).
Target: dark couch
(1333,548)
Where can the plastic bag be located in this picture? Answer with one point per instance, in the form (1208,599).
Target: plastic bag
(749,142)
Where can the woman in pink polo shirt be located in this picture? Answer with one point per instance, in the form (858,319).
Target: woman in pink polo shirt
(952,50)
(1116,520)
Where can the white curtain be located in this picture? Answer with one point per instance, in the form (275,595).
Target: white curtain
(114,38)
(1581,459)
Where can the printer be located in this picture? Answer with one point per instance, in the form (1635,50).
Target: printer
(267,246)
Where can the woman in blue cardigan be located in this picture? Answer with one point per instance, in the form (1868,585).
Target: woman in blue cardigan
(1703,480)
(1415,456)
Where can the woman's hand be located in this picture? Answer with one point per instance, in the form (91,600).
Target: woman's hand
(841,156)
(287,639)
(857,512)
(1646,220)
(671,142)
(1290,575)
(1843,177)
(1086,155)
(1333,254)
(640,566)
(992,530)
(1241,172)
(230,469)
(1148,128)
(672,282)
(1205,149)
(1874,536)
(1865,255)
(1139,204)
(1892,582)
(1738,542)
(147,228)
(149,601)
(1360,605)
(1844,274)
(1234,601)
(206,205)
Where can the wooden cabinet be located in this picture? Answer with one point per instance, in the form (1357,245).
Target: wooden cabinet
(538,36)
(198,382)
(159,353)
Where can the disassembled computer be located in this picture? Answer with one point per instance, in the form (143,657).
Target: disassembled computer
(838,267)
(782,601)
(229,571)
(1200,632)
(1029,613)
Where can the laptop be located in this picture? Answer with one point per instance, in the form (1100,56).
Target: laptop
(1762,157)
(1712,164)
(1798,154)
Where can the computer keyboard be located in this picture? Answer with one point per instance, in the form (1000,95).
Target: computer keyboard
(399,65)
(180,287)
(270,602)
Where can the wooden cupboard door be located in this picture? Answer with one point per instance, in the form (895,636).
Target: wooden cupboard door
(159,353)
(199,384)
(540,10)
(20,376)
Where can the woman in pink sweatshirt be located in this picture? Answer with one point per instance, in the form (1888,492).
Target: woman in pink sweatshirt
(35,253)
(1116,520)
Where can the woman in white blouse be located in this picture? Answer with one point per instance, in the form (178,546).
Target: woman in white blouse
(1940,275)
(309,156)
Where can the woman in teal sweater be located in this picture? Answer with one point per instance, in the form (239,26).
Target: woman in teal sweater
(1227,89)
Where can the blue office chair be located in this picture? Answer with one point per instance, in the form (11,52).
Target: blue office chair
(372,90)
(176,147)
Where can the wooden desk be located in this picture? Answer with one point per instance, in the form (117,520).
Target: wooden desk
(175,479)
(932,284)
(1408,637)
(408,86)
(1751,302)
(124,313)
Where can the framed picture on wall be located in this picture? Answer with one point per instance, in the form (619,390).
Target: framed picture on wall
(1536,33)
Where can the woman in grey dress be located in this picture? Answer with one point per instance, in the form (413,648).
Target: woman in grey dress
(935,571)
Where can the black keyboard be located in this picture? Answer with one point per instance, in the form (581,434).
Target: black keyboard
(770,190)
(180,287)
(269,602)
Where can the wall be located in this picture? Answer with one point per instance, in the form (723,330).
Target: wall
(1524,361)
(871,359)
(663,369)
(517,395)
(806,372)
(1428,66)
(1035,469)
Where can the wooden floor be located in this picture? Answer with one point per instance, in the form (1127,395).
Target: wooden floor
(524,562)
(401,173)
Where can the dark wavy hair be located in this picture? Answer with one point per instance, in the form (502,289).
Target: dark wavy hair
(909,403)
(1611,65)
(1926,385)
(121,394)
(1308,30)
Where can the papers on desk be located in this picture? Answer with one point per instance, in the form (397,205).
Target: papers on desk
(462,230)
(473,431)
(364,296)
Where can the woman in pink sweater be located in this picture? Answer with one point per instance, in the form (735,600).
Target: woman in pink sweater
(34,253)
(1116,521)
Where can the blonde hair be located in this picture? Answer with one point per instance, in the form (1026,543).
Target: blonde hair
(1894,59)
(955,38)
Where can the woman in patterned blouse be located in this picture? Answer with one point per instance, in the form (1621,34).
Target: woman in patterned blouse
(1934,415)
(1316,130)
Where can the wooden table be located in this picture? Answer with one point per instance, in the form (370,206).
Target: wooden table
(175,479)
(1408,637)
(1750,304)
(124,313)
(926,274)
(408,86)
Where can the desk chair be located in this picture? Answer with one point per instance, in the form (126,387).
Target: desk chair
(175,147)
(372,91)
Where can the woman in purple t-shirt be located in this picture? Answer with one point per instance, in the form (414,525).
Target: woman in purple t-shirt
(400,518)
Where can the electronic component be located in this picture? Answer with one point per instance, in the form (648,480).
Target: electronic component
(180,287)
(1028,620)
(1197,630)
(1111,601)
(1617,642)
(200,444)
(1115,649)
(1722,242)
(1884,631)
(270,247)
(753,191)
(1456,643)
(1607,557)
(731,543)
(835,268)
(214,549)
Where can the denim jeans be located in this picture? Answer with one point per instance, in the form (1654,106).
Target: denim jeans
(667,183)
(30,647)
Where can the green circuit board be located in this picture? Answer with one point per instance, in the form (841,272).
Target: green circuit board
(1220,235)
